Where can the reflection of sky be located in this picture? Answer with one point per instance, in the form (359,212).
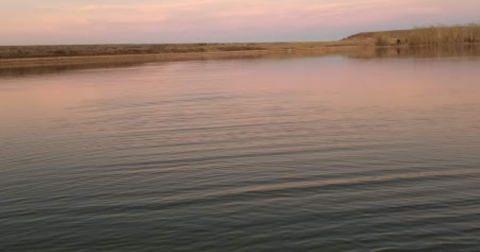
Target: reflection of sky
(143,21)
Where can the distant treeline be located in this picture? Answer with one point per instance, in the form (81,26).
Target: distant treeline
(432,35)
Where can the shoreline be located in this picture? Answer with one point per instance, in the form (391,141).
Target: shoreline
(11,66)
(364,43)
(292,51)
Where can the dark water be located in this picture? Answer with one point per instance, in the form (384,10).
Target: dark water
(304,154)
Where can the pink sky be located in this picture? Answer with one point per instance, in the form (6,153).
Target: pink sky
(170,21)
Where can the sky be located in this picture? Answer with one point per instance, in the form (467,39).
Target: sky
(39,22)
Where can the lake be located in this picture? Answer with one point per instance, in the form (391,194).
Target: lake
(329,153)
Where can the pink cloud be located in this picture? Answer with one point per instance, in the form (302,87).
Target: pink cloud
(208,18)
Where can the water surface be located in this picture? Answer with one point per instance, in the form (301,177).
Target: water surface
(300,154)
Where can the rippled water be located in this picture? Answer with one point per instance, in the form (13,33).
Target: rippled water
(302,154)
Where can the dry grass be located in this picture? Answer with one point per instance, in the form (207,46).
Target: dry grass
(30,56)
(26,56)
(42,56)
(382,40)
(7,52)
(441,35)
(429,36)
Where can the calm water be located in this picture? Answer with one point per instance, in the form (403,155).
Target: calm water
(301,154)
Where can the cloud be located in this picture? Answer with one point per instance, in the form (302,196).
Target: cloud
(217,18)
(219,13)
(139,7)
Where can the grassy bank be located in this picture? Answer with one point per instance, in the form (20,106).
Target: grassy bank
(96,56)
(33,56)
(30,56)
(8,52)
(431,36)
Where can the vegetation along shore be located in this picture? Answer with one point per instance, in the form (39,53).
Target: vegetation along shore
(28,56)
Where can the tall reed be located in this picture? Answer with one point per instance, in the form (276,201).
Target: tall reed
(440,35)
